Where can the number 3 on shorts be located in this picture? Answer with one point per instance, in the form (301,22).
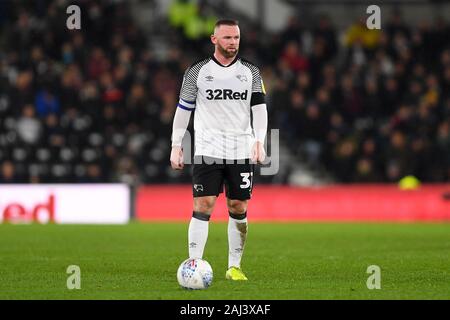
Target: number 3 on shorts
(246,180)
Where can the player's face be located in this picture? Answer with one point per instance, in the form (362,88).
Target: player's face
(226,39)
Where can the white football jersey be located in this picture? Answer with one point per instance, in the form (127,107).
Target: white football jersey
(221,98)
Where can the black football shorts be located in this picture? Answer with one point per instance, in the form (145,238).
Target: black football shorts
(210,175)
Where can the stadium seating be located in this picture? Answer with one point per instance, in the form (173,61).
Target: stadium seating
(97,106)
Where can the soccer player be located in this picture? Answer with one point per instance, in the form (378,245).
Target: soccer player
(223,91)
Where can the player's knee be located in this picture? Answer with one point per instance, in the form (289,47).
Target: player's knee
(237,206)
(204,204)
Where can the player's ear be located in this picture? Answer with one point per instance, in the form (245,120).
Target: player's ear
(213,39)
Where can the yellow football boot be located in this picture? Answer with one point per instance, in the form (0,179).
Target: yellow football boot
(235,273)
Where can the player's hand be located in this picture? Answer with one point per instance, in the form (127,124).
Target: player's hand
(176,158)
(258,152)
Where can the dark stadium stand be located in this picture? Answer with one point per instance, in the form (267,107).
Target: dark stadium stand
(96,105)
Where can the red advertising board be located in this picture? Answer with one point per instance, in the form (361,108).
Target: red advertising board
(381,203)
(65,203)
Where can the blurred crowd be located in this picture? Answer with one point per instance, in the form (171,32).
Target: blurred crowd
(374,107)
(96,104)
(89,105)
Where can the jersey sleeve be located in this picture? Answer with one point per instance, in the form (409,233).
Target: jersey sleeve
(258,90)
(188,92)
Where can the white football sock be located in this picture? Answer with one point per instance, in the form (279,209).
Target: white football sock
(198,234)
(237,234)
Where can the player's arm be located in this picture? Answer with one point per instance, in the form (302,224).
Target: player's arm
(259,112)
(180,124)
(186,105)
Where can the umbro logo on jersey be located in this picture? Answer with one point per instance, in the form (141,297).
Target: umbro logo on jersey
(209,78)
(242,77)
(226,94)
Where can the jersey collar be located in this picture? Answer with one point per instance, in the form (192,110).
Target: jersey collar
(216,61)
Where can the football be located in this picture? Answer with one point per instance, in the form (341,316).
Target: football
(195,274)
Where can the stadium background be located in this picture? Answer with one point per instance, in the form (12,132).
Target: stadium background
(353,105)
(86,115)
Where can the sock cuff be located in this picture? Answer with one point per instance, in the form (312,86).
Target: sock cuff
(201,216)
(236,216)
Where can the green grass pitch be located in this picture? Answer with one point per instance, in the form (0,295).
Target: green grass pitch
(281,260)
